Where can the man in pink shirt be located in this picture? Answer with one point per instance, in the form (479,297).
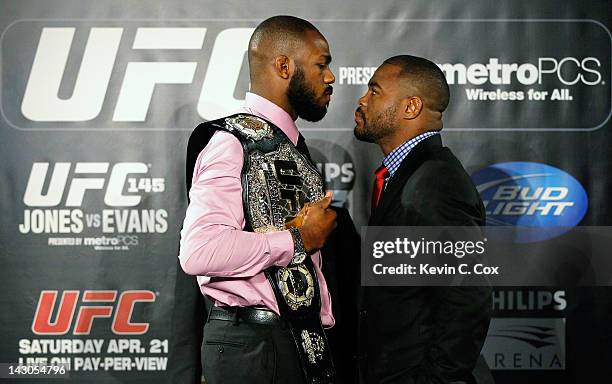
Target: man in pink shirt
(247,337)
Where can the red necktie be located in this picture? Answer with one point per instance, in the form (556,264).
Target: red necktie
(381,174)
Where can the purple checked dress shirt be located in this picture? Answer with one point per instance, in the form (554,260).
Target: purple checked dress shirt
(228,261)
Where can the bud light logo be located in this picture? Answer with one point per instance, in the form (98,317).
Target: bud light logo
(532,195)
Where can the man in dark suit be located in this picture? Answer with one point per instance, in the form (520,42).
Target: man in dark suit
(418,334)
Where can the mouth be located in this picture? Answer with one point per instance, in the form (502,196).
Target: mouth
(359,118)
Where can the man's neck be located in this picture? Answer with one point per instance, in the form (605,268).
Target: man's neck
(281,100)
(387,146)
(404,134)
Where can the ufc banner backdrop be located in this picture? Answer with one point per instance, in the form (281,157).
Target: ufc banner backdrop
(98,99)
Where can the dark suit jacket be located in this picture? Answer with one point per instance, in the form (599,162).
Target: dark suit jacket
(425,334)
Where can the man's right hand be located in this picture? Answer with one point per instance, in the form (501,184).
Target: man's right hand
(318,222)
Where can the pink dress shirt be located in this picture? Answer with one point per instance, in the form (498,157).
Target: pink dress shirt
(228,261)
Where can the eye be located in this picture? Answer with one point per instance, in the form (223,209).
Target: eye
(373,91)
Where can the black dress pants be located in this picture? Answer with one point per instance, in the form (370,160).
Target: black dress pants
(241,353)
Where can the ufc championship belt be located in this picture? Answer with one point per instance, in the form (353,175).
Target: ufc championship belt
(277,180)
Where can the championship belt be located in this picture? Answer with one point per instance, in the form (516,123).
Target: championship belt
(277,180)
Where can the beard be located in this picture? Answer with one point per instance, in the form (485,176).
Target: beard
(303,98)
(372,131)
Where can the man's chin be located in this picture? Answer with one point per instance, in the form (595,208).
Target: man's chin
(314,116)
(362,136)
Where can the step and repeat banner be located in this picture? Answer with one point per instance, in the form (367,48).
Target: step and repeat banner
(98,99)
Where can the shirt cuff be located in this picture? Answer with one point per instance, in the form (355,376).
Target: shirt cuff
(281,247)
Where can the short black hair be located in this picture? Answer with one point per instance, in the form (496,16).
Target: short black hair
(426,77)
(279,33)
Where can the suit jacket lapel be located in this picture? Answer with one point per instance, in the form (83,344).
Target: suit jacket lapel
(410,164)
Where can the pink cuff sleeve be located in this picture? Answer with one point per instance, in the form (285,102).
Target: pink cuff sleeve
(281,247)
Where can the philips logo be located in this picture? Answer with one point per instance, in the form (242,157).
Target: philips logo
(531,195)
(566,70)
(529,300)
(338,169)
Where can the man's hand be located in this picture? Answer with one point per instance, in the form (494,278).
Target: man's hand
(298,220)
(317,222)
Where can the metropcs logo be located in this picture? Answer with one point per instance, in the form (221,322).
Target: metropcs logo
(531,195)
(566,70)
(123,309)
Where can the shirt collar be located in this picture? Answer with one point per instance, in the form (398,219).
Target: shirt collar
(266,109)
(394,159)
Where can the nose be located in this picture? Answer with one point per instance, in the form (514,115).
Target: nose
(329,77)
(362,101)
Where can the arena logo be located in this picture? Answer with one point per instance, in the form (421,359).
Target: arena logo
(114,183)
(534,195)
(525,344)
(64,314)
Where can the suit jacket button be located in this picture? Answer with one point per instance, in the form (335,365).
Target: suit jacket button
(363,313)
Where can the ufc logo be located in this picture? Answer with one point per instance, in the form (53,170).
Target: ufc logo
(34,196)
(291,183)
(41,102)
(64,315)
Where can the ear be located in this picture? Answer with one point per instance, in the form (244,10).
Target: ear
(283,67)
(412,107)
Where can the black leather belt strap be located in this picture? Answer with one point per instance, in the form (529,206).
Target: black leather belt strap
(305,325)
(245,314)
